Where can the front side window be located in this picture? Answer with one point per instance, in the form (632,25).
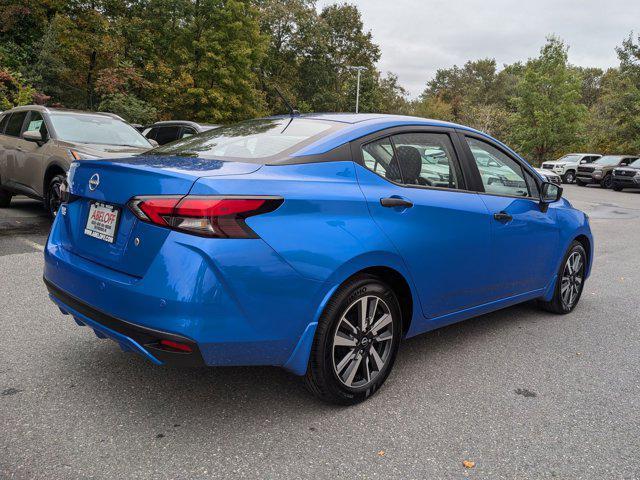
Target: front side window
(96,129)
(187,132)
(36,124)
(501,175)
(14,126)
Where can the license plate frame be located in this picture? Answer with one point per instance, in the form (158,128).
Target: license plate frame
(99,229)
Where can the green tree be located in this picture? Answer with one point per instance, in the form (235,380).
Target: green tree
(129,107)
(614,123)
(548,115)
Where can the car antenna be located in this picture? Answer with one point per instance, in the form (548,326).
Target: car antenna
(292,111)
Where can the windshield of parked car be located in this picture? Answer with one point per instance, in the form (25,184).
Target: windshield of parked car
(635,164)
(608,160)
(97,129)
(569,158)
(253,139)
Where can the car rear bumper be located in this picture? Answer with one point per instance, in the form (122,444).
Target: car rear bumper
(133,338)
(234,302)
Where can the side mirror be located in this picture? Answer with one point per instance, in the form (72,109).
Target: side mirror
(549,193)
(153,143)
(32,136)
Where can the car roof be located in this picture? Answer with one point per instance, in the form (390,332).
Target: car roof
(43,109)
(188,123)
(358,125)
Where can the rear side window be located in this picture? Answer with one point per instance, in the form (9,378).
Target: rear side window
(425,159)
(377,158)
(501,175)
(167,134)
(3,122)
(14,126)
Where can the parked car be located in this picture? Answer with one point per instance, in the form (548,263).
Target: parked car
(313,242)
(550,176)
(567,166)
(627,177)
(37,145)
(601,171)
(172,130)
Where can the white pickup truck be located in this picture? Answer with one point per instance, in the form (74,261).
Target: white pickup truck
(567,166)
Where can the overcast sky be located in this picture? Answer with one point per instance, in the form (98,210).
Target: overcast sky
(419,36)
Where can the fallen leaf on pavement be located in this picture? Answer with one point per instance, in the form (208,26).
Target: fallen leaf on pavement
(381,453)
(468,464)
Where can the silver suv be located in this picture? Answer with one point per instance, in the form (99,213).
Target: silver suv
(37,145)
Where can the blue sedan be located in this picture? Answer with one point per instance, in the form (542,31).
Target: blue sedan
(313,242)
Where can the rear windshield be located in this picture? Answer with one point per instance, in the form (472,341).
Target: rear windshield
(256,140)
(98,129)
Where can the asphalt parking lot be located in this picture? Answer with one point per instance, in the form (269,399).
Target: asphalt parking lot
(520,392)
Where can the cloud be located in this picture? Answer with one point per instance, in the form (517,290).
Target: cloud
(419,36)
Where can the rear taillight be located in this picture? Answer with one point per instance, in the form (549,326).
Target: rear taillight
(209,216)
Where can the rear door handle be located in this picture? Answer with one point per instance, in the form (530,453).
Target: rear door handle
(391,202)
(502,217)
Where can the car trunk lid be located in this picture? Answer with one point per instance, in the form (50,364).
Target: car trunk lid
(102,188)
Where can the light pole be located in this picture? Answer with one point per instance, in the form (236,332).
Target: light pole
(359,70)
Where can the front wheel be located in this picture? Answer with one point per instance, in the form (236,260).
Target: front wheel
(53,197)
(356,342)
(607,181)
(569,177)
(570,281)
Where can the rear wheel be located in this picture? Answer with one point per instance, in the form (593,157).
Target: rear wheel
(5,198)
(570,281)
(569,177)
(607,181)
(356,342)
(53,197)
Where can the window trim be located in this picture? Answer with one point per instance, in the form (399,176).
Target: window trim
(357,146)
(480,189)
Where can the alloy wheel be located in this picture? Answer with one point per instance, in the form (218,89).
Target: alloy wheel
(362,341)
(572,279)
(569,177)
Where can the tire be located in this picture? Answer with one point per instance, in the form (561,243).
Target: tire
(560,302)
(617,188)
(5,198)
(348,373)
(52,196)
(580,183)
(607,181)
(569,177)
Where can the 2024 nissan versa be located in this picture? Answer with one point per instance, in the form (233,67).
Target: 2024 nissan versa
(310,242)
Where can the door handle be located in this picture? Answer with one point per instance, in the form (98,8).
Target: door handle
(502,217)
(391,202)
